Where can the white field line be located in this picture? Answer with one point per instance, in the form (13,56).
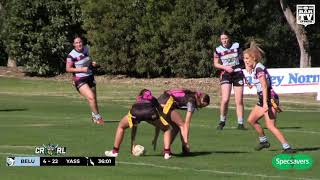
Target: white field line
(234,173)
(249,108)
(212,171)
(287,130)
(5,146)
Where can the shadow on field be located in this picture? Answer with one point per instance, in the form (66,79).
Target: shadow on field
(294,127)
(111,121)
(203,153)
(308,149)
(300,149)
(11,110)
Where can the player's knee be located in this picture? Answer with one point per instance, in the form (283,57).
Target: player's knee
(91,98)
(166,128)
(224,101)
(251,121)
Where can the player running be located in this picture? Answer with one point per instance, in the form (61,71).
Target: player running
(80,64)
(268,104)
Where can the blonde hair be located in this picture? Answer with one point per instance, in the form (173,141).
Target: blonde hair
(255,51)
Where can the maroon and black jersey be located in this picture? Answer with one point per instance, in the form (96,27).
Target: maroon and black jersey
(183,99)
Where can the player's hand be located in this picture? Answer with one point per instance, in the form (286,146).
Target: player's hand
(84,69)
(265,107)
(95,64)
(229,69)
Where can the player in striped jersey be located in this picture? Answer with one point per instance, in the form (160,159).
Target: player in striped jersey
(80,64)
(228,58)
(268,104)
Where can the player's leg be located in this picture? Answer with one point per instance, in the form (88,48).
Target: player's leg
(238,95)
(177,119)
(270,121)
(254,116)
(224,103)
(122,126)
(166,137)
(90,95)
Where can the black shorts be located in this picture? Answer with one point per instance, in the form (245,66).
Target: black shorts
(163,98)
(235,78)
(78,82)
(144,112)
(273,96)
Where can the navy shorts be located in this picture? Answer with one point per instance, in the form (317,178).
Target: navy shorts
(144,112)
(235,78)
(78,82)
(273,96)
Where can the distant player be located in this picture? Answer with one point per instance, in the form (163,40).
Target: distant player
(268,104)
(146,108)
(186,100)
(80,64)
(228,59)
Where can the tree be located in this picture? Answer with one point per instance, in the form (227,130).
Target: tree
(305,57)
(38,33)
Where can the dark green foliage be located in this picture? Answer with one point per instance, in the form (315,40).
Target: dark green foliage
(147,38)
(38,33)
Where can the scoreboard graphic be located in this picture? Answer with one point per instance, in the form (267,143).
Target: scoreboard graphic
(60,161)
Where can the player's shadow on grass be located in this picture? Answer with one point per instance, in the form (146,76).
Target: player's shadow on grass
(11,110)
(293,127)
(203,153)
(302,149)
(307,149)
(111,121)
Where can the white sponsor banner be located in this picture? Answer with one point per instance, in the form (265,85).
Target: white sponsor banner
(290,80)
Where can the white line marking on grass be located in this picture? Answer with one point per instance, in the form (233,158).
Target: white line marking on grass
(6,146)
(287,130)
(212,171)
(31,125)
(308,132)
(190,169)
(285,109)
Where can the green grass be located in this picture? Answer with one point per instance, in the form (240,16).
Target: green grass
(36,112)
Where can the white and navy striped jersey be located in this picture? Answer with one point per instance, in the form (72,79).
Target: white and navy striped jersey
(258,71)
(229,56)
(80,59)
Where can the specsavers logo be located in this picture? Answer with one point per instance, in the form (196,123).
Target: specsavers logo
(286,161)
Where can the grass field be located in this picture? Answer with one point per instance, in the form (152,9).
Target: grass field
(36,112)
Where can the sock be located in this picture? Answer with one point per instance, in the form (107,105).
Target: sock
(115,150)
(285,146)
(222,118)
(166,151)
(240,120)
(263,139)
(96,116)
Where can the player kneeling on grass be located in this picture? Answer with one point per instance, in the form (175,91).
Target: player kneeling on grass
(183,99)
(146,108)
(268,104)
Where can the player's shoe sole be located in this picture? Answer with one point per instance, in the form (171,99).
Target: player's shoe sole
(110,154)
(262,145)
(167,156)
(289,151)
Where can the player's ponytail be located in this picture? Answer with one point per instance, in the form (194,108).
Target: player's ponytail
(257,51)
